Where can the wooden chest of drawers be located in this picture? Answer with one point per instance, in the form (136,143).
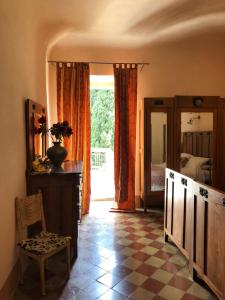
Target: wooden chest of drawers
(61,199)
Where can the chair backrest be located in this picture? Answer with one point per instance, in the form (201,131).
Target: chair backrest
(29,210)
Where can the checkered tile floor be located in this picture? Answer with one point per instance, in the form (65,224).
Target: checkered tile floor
(121,256)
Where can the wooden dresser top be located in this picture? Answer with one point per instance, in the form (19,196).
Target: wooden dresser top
(68,167)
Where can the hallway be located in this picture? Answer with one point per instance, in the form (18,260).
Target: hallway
(121,256)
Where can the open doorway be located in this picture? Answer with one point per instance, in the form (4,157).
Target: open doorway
(102,137)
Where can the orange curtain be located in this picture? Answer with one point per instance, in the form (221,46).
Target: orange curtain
(125,76)
(73,105)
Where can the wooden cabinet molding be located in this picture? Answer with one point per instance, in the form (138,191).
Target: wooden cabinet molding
(195,222)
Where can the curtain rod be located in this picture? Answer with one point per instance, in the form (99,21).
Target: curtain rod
(98,62)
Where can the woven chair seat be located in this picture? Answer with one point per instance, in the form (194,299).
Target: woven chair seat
(43,243)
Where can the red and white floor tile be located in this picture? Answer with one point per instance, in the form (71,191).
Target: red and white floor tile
(121,256)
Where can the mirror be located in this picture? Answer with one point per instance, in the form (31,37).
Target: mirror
(36,144)
(158,150)
(39,139)
(196,145)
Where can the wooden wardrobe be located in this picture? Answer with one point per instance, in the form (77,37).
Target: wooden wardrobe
(164,142)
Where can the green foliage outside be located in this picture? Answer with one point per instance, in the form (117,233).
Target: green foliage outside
(102,118)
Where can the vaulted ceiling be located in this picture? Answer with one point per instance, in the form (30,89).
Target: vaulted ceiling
(133,23)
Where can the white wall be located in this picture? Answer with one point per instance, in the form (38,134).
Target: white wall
(192,66)
(22,76)
(204,123)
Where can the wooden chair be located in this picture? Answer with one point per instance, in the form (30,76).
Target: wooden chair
(29,210)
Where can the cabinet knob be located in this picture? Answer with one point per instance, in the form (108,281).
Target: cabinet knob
(171,175)
(203,192)
(223,201)
(184,181)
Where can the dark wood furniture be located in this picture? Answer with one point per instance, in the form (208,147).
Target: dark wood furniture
(154,105)
(61,189)
(61,199)
(197,143)
(174,107)
(212,104)
(195,222)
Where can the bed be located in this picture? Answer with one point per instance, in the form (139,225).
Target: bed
(195,162)
(158,177)
(196,156)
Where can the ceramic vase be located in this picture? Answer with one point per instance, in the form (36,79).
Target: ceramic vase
(57,154)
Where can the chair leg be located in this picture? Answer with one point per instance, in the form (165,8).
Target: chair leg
(21,259)
(42,276)
(68,258)
(46,263)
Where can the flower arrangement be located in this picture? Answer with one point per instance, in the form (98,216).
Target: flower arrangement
(42,129)
(57,132)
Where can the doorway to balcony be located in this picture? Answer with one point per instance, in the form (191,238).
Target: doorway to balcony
(102,137)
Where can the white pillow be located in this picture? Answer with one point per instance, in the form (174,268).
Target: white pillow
(188,172)
(193,165)
(196,161)
(188,155)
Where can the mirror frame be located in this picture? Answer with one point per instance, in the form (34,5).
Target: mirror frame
(32,108)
